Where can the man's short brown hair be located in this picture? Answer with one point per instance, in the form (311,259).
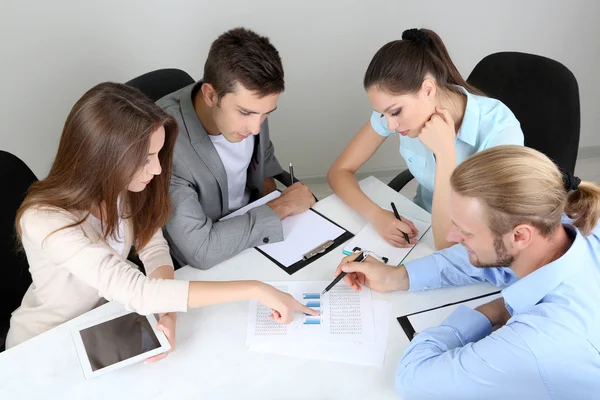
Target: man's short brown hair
(241,55)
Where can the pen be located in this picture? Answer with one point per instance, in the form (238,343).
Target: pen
(338,278)
(400,219)
(292,172)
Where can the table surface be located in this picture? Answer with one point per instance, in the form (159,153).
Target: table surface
(211,360)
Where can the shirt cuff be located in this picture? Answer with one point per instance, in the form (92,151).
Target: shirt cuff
(377,124)
(174,296)
(470,325)
(423,274)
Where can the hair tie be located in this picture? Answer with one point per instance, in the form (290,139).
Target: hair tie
(570,182)
(417,36)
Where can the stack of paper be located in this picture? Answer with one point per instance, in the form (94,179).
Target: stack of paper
(351,327)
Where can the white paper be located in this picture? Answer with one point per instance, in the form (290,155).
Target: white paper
(301,233)
(366,353)
(263,200)
(346,316)
(369,239)
(429,319)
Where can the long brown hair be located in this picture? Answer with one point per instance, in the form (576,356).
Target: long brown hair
(104,143)
(520,185)
(400,66)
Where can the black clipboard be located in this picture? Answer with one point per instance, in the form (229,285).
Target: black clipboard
(409,330)
(298,265)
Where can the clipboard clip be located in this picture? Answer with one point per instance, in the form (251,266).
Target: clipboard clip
(373,254)
(318,250)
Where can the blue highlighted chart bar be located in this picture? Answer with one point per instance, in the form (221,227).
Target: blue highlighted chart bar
(313,304)
(311,296)
(310,320)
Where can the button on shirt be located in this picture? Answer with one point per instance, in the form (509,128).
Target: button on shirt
(549,349)
(487,123)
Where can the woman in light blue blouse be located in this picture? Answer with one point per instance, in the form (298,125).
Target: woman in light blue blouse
(417,92)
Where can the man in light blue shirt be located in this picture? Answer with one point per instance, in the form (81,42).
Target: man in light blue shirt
(541,340)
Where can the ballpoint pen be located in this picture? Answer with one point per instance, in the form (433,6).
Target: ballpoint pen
(400,219)
(361,257)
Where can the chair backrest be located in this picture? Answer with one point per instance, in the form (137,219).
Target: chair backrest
(544,96)
(16,178)
(159,83)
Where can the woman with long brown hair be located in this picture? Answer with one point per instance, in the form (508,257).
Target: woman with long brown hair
(417,93)
(108,190)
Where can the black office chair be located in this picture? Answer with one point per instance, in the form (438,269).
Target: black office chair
(159,83)
(544,96)
(16,178)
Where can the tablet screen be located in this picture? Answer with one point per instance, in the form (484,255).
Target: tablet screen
(118,339)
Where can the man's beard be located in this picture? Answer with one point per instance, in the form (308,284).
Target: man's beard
(503,258)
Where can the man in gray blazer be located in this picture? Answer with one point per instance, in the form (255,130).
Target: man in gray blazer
(224,157)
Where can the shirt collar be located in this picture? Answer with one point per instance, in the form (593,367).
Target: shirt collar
(470,123)
(529,290)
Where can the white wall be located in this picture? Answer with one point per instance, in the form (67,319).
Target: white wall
(53,51)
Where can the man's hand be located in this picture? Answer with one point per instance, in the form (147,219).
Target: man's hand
(373,274)
(496,312)
(294,200)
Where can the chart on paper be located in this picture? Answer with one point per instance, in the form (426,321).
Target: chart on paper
(364,353)
(345,315)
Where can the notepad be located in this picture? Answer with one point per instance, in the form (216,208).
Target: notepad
(262,201)
(414,323)
(369,239)
(301,234)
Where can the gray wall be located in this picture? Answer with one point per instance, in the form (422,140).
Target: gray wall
(52,52)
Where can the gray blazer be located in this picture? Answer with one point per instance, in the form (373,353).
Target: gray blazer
(200,196)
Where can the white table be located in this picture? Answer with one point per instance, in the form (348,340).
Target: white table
(211,360)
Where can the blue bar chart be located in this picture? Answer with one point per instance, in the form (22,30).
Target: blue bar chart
(312,296)
(312,300)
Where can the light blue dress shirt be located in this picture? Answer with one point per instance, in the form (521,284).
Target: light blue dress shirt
(487,123)
(549,349)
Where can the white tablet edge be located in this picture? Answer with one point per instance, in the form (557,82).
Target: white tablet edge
(82,354)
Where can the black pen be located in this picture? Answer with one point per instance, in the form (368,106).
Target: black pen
(361,257)
(292,172)
(400,219)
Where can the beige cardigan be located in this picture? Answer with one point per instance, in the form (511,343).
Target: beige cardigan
(74,270)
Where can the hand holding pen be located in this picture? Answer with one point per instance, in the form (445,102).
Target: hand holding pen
(400,219)
(396,230)
(357,259)
(372,273)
